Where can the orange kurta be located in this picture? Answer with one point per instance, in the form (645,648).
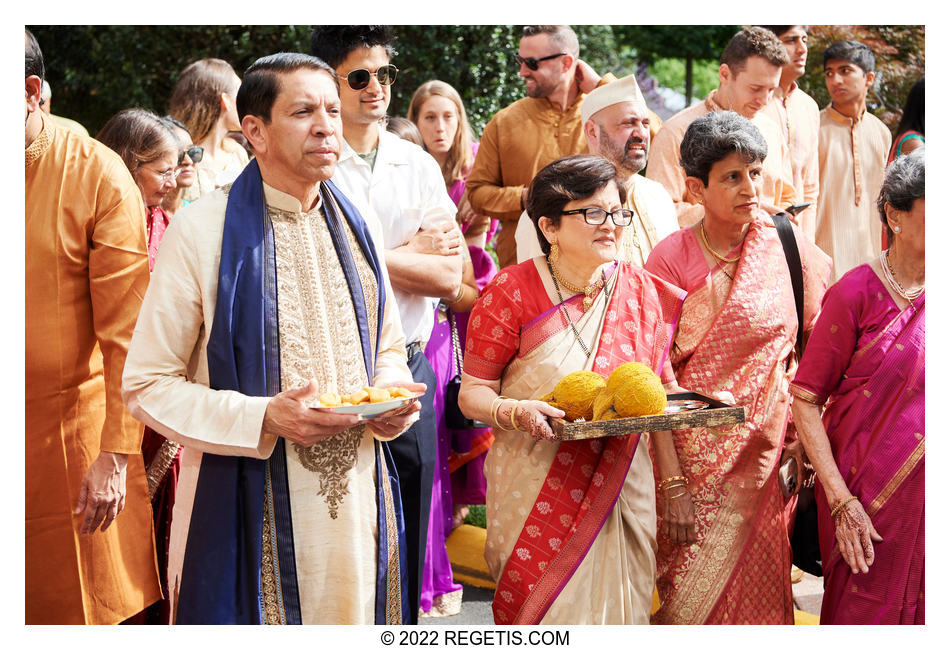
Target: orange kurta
(86,274)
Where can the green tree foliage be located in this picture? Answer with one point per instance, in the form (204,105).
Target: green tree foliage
(899,54)
(687,42)
(97,70)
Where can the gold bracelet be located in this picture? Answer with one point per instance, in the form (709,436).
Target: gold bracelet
(494,410)
(672,479)
(459,295)
(841,504)
(511,416)
(677,495)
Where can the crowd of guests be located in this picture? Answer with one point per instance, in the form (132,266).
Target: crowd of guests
(211,272)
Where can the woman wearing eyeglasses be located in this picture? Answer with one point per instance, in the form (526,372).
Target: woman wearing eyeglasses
(150,149)
(723,552)
(205,101)
(189,154)
(571,525)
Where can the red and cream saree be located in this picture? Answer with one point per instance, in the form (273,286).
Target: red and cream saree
(736,334)
(571,525)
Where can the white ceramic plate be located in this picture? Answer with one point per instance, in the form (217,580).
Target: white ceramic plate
(369,410)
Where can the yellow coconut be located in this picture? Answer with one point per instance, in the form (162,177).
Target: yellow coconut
(575,394)
(640,394)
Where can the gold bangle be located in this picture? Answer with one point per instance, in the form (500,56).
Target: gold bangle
(494,410)
(672,479)
(677,495)
(841,504)
(511,416)
(459,295)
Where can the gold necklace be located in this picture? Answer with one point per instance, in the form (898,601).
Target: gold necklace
(909,296)
(588,291)
(557,288)
(702,232)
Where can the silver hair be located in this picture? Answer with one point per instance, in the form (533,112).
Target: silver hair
(715,135)
(903,184)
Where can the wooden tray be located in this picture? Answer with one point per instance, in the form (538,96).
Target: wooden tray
(717,414)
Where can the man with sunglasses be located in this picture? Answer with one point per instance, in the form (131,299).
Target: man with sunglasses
(617,126)
(401,185)
(534,131)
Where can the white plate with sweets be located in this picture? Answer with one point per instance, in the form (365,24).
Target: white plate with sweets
(368,402)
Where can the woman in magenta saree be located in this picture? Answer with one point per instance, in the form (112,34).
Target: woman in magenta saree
(571,525)
(865,365)
(729,561)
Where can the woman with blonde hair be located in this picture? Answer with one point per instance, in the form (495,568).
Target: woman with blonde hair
(205,100)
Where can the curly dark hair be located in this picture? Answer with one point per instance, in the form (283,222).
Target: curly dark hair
(333,43)
(567,179)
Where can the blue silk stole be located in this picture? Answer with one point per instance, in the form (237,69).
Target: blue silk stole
(221,574)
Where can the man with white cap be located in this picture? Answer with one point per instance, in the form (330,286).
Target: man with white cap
(616,122)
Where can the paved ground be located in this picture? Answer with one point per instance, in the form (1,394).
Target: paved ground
(465,548)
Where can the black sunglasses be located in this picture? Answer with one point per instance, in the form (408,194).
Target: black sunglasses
(532,63)
(359,79)
(196,153)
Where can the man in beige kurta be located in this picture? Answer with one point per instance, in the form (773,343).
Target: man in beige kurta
(532,132)
(852,154)
(617,126)
(748,76)
(796,114)
(330,458)
(86,273)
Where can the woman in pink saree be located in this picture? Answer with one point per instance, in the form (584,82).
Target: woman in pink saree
(723,551)
(865,365)
(572,524)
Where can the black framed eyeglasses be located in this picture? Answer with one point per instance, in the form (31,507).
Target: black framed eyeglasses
(358,79)
(194,152)
(532,62)
(597,216)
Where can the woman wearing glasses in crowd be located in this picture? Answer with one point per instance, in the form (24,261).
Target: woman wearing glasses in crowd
(865,365)
(205,101)
(189,154)
(723,553)
(151,150)
(571,525)
(436,109)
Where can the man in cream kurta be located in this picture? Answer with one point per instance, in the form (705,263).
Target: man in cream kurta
(617,126)
(748,76)
(330,463)
(852,154)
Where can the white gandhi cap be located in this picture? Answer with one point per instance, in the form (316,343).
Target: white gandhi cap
(621,90)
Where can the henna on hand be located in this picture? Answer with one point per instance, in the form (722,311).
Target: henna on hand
(853,531)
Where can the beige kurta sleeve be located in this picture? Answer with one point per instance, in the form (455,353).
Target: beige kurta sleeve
(165,383)
(664,168)
(118,277)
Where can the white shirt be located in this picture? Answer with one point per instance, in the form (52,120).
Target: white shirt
(405,192)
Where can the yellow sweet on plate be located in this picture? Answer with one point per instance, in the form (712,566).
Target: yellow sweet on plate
(330,400)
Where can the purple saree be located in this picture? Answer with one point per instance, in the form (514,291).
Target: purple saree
(865,363)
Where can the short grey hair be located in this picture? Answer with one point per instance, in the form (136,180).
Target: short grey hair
(903,184)
(715,135)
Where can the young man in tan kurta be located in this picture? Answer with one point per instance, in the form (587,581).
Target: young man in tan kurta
(86,273)
(748,76)
(852,153)
(796,115)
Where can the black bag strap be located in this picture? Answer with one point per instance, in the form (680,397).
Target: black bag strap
(787,236)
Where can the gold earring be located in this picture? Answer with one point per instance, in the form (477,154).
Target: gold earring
(554,254)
